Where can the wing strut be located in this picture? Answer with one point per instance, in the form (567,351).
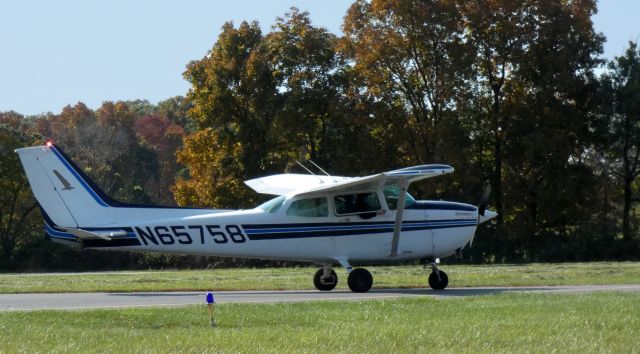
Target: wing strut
(397,227)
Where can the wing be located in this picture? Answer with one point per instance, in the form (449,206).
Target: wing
(297,184)
(416,173)
(289,182)
(402,176)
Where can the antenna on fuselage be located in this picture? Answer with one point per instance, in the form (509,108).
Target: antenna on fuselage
(320,168)
(305,167)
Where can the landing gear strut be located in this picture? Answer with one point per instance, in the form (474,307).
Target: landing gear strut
(325,279)
(438,279)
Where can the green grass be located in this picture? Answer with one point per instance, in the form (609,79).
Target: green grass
(537,323)
(300,278)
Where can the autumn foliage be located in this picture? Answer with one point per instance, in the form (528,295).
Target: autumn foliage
(515,95)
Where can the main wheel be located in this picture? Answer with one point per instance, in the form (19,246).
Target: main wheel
(438,284)
(360,280)
(325,284)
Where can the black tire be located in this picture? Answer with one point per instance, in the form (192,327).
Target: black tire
(440,284)
(325,286)
(360,280)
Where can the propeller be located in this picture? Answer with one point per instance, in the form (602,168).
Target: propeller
(484,200)
(482,208)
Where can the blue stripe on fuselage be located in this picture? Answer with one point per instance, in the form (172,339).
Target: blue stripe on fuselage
(429,205)
(281,231)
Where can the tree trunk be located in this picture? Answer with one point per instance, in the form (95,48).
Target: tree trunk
(626,212)
(497,172)
(497,180)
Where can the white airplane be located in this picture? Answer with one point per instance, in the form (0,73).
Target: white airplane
(320,219)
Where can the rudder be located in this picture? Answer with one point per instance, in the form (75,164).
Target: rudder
(63,191)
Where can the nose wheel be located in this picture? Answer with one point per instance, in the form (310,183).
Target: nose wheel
(438,279)
(325,279)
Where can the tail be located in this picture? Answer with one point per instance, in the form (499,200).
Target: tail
(76,209)
(64,192)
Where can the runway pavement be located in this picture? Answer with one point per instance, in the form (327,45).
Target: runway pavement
(77,301)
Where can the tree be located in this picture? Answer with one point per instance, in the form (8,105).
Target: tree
(234,94)
(621,86)
(163,138)
(306,69)
(18,219)
(213,172)
(498,30)
(175,110)
(412,55)
(535,63)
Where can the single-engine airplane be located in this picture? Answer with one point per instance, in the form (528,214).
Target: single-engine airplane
(321,219)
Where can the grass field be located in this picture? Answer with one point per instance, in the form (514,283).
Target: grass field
(300,278)
(506,323)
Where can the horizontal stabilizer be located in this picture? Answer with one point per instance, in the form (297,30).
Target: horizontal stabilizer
(85,235)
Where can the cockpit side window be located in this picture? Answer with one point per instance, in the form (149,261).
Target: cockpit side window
(310,207)
(357,203)
(272,206)
(392,195)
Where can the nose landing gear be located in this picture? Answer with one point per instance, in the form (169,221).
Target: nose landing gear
(438,279)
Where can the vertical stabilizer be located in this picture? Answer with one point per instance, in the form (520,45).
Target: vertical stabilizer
(65,194)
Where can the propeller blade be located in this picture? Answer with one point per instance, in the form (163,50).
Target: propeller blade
(484,200)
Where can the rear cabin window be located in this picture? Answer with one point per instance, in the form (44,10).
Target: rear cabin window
(311,208)
(357,203)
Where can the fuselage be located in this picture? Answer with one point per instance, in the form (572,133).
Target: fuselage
(430,229)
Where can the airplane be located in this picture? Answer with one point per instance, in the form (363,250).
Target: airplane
(321,219)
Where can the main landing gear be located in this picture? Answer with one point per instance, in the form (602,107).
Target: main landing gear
(325,279)
(438,279)
(360,280)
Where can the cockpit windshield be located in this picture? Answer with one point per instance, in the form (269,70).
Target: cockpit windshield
(392,195)
(273,205)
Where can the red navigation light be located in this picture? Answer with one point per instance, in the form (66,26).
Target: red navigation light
(49,143)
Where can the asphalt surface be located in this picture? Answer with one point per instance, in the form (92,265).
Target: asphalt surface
(78,301)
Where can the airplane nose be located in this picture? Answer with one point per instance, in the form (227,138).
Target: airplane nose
(488,215)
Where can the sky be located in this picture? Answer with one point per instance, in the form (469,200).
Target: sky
(56,53)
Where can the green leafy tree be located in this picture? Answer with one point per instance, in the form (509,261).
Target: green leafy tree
(621,91)
(412,68)
(499,31)
(18,219)
(176,109)
(535,63)
(306,69)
